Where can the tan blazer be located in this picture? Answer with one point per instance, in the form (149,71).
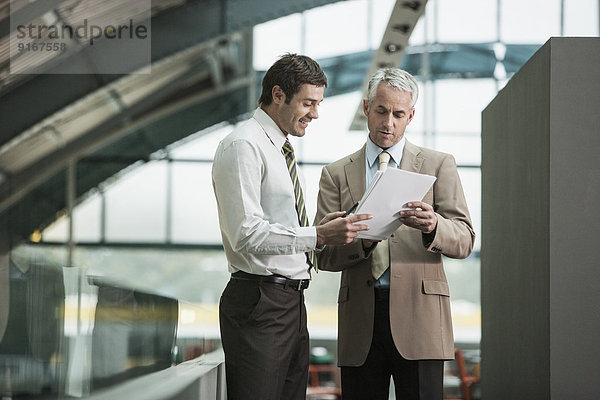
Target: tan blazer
(419,296)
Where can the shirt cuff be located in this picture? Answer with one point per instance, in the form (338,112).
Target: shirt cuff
(306,238)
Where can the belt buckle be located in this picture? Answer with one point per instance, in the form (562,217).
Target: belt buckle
(295,284)
(298,287)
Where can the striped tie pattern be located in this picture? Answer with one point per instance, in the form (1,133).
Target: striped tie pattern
(290,159)
(381,254)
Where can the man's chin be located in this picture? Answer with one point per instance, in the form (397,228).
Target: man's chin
(299,132)
(385,142)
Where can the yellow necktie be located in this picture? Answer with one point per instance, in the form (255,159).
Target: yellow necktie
(381,253)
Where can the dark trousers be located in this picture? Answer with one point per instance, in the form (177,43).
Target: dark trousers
(413,379)
(265,340)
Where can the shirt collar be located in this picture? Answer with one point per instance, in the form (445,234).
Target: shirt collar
(372,151)
(273,132)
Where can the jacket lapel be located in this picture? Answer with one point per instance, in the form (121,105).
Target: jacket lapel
(355,174)
(412,160)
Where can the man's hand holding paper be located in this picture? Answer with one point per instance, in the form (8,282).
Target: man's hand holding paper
(421,216)
(391,200)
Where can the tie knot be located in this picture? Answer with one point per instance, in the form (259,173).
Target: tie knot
(287,148)
(384,158)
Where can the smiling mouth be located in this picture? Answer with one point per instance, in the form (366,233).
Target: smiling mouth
(303,123)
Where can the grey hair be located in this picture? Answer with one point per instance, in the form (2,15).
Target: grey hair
(396,78)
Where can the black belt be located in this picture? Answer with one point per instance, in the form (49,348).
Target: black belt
(382,294)
(296,284)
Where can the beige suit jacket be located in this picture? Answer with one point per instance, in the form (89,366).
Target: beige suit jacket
(420,317)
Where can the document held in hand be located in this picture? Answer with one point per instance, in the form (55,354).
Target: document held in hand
(386,196)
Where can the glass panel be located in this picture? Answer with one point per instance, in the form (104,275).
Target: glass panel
(466,148)
(321,307)
(194,208)
(533,21)
(417,37)
(418,123)
(382,9)
(471,182)
(86,225)
(581,18)
(312,175)
(87,219)
(458,103)
(464,277)
(347,37)
(136,205)
(57,231)
(466,21)
(73,331)
(201,146)
(133,332)
(417,138)
(193,275)
(282,34)
(32,345)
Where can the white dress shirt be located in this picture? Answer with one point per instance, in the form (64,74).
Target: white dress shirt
(256,203)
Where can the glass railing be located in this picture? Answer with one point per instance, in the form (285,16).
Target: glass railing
(131,313)
(65,333)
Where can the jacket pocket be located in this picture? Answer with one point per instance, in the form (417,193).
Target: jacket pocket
(440,288)
(343,294)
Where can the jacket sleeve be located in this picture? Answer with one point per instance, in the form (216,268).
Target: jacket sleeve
(454,236)
(336,258)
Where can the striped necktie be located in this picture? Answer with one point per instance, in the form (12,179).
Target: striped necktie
(288,151)
(381,254)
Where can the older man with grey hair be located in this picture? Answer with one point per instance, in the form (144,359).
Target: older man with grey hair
(394,306)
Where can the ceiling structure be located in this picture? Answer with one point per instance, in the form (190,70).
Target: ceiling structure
(201,74)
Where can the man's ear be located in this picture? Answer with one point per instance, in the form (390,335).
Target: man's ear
(366,107)
(278,95)
(411,115)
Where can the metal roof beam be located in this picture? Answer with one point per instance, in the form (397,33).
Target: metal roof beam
(173,30)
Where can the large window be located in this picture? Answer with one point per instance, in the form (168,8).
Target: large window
(170,201)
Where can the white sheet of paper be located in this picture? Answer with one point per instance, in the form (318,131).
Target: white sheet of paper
(386,196)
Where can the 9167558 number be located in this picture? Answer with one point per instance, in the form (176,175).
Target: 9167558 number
(52,46)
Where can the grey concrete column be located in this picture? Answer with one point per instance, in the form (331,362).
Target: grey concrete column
(540,228)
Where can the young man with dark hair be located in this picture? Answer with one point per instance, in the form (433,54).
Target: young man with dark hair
(269,244)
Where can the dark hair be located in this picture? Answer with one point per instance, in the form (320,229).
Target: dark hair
(290,72)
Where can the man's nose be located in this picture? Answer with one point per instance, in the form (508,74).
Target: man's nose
(389,120)
(314,112)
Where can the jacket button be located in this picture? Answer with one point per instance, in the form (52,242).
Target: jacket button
(370,282)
